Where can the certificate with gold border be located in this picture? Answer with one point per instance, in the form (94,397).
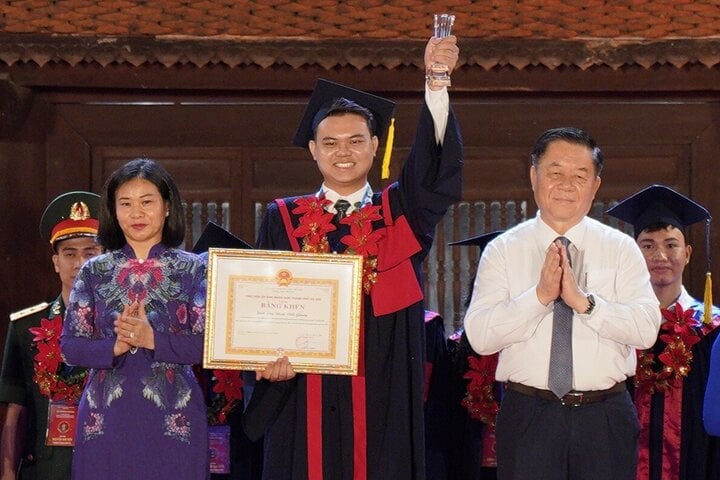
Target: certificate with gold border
(264,304)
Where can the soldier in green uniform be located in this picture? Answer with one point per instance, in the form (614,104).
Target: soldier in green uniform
(40,391)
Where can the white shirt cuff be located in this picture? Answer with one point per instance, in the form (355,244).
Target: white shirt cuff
(438,102)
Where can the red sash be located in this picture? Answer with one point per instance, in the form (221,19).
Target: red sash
(672,426)
(397,246)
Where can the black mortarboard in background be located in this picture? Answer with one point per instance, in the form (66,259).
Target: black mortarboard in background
(324,95)
(70,215)
(214,236)
(658,204)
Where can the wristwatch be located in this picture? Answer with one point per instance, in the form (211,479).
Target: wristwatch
(591,304)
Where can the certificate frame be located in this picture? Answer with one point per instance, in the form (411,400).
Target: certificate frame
(262,304)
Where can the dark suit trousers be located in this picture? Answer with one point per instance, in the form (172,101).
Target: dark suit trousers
(542,439)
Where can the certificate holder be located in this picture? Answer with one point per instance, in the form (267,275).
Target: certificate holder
(264,304)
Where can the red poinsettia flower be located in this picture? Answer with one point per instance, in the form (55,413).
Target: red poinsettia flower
(54,385)
(679,325)
(315,223)
(48,329)
(314,227)
(67,393)
(481,370)
(311,205)
(362,239)
(688,339)
(365,244)
(48,356)
(679,321)
(679,332)
(228,383)
(677,358)
(479,398)
(367,214)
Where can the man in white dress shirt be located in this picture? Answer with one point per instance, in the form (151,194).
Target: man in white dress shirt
(523,276)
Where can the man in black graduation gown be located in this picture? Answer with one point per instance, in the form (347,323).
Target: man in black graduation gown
(369,425)
(225,429)
(669,385)
(438,401)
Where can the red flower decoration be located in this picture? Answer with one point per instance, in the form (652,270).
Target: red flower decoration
(48,330)
(480,396)
(365,215)
(315,223)
(57,386)
(363,243)
(227,387)
(48,356)
(679,333)
(311,205)
(229,383)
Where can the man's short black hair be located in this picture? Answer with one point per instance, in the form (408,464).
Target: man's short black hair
(570,135)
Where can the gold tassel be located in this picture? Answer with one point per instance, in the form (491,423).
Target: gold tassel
(385,174)
(707,315)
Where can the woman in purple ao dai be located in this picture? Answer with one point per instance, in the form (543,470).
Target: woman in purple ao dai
(136,318)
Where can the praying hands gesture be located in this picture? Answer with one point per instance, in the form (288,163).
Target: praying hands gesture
(557,279)
(133,329)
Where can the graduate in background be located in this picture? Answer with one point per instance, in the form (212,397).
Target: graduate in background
(475,398)
(437,398)
(669,385)
(232,455)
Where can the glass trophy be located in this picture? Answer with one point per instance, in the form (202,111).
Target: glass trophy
(439,75)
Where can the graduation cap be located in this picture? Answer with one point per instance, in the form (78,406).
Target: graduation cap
(658,205)
(217,237)
(70,215)
(326,93)
(479,240)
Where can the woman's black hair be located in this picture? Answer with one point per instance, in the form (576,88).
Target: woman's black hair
(110,235)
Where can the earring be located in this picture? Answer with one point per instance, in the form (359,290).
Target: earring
(167,213)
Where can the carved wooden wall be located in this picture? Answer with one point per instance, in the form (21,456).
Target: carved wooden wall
(234,151)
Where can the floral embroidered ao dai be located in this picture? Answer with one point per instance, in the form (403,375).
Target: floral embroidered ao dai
(142,414)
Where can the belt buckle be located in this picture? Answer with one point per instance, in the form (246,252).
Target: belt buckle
(573,399)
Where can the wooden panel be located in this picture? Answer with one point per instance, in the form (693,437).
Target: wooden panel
(67,159)
(234,149)
(200,170)
(281,172)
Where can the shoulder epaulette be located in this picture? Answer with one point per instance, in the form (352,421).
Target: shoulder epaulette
(28,311)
